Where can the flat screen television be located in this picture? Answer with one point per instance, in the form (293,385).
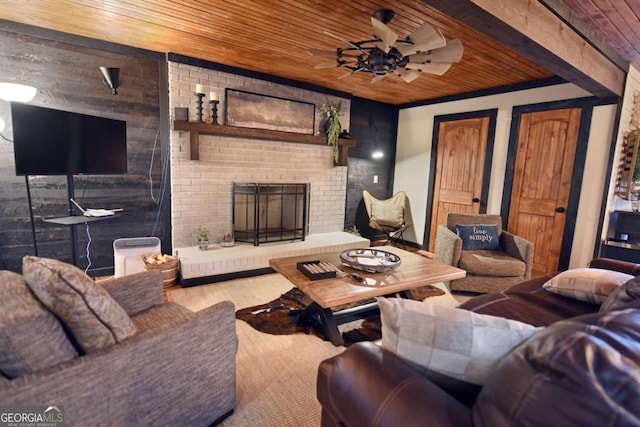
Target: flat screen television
(55,142)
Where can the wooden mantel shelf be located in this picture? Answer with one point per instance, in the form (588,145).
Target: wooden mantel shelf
(197,128)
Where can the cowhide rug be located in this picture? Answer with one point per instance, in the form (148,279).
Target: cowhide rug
(285,315)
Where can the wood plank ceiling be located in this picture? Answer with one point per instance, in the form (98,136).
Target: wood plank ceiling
(616,21)
(273,36)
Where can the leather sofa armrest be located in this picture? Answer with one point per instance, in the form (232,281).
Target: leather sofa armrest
(616,265)
(518,247)
(448,246)
(136,292)
(366,385)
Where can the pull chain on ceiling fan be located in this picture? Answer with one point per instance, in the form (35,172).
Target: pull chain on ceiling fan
(424,51)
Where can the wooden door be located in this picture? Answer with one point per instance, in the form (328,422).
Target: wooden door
(460,162)
(545,155)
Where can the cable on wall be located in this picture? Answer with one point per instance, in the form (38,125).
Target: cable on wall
(89,263)
(163,186)
(153,153)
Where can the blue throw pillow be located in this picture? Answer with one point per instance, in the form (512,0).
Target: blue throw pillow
(479,237)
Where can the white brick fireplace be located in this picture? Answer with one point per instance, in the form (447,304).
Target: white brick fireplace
(202,189)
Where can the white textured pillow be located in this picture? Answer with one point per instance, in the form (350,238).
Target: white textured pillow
(587,284)
(452,341)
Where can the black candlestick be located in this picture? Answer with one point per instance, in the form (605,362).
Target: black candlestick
(214,112)
(199,106)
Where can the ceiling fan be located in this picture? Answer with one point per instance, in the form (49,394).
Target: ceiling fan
(424,51)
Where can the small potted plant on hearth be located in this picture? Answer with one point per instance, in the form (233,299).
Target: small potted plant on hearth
(202,236)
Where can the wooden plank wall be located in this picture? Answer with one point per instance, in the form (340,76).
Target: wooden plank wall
(68,78)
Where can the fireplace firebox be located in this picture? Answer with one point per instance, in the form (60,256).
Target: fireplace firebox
(264,213)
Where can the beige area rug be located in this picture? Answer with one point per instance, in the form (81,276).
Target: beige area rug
(276,374)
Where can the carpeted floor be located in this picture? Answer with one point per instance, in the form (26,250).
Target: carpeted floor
(276,374)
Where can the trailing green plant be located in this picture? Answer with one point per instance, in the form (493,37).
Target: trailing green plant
(202,234)
(333,132)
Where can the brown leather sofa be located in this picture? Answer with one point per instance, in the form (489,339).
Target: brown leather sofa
(581,370)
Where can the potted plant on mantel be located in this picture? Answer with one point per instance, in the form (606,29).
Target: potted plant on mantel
(202,236)
(333,127)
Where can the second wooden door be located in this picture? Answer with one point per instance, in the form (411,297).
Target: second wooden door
(546,149)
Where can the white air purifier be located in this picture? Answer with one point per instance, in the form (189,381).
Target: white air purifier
(128,252)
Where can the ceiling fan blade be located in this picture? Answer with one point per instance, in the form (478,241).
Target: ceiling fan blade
(347,42)
(408,75)
(322,65)
(452,52)
(320,52)
(424,38)
(376,79)
(385,34)
(348,74)
(437,68)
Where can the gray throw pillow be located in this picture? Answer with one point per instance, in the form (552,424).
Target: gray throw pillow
(479,237)
(592,285)
(625,296)
(31,338)
(94,318)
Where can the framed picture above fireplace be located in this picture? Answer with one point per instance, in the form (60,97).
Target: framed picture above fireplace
(252,110)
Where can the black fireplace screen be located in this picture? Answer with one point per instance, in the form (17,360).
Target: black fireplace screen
(264,213)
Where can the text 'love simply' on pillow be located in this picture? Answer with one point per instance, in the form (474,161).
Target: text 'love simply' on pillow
(451,341)
(31,338)
(587,284)
(94,318)
(479,237)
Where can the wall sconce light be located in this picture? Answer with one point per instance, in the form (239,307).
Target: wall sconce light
(17,92)
(111,78)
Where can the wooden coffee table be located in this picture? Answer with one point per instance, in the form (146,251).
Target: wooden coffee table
(414,271)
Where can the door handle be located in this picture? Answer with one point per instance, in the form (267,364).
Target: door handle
(560,209)
(475,200)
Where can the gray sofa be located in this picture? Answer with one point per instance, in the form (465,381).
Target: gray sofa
(178,369)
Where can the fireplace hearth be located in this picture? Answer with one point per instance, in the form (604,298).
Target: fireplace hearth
(270,212)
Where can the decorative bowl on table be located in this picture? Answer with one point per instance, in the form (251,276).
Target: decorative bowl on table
(371,260)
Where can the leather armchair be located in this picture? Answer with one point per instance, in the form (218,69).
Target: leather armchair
(487,271)
(578,371)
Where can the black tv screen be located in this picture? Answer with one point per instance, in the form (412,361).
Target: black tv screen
(55,142)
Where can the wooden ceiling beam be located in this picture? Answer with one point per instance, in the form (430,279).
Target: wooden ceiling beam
(533,31)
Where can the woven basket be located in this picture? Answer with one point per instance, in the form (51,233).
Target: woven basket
(169,271)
